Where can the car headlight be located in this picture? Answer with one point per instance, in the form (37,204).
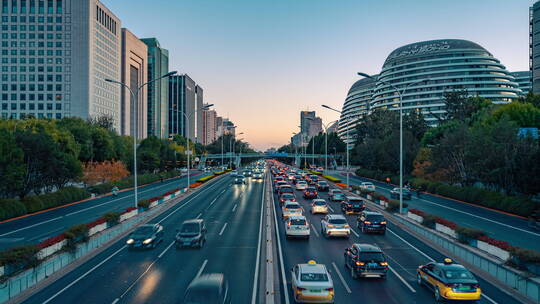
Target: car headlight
(130,241)
(147,241)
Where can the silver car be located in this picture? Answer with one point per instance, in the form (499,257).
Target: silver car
(319,206)
(335,225)
(297,226)
(292,209)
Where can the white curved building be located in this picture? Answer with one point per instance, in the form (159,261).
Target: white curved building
(448,65)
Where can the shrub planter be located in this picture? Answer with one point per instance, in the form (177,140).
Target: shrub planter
(414,217)
(533,268)
(129,214)
(155,203)
(493,250)
(97,228)
(47,251)
(446,230)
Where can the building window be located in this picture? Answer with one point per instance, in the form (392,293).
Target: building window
(31,106)
(4,7)
(41,4)
(50,8)
(32,8)
(14,6)
(40,106)
(58,106)
(23,7)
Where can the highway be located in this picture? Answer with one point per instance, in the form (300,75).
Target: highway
(233,217)
(38,227)
(498,225)
(403,252)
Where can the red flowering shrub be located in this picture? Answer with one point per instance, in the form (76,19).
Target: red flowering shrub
(500,244)
(99,221)
(417,212)
(51,241)
(446,223)
(129,209)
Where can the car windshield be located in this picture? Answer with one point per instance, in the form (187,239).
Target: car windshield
(189,228)
(292,206)
(288,196)
(319,203)
(375,217)
(355,200)
(371,257)
(338,221)
(457,274)
(144,230)
(301,222)
(286,190)
(314,277)
(301,182)
(311,189)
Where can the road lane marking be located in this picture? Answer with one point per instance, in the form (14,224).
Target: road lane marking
(115,301)
(138,279)
(341,278)
(166,249)
(234,208)
(402,279)
(223,229)
(84,275)
(314,230)
(214,200)
(425,255)
(256,274)
(201,269)
(489,299)
(28,227)
(355,233)
(331,209)
(280,252)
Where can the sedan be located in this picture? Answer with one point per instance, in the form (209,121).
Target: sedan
(297,226)
(146,236)
(367,186)
(312,283)
(323,186)
(292,209)
(311,193)
(335,225)
(301,185)
(333,192)
(208,289)
(353,205)
(319,206)
(406,193)
(340,197)
(287,197)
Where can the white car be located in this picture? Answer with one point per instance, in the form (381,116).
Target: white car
(367,186)
(312,283)
(297,226)
(292,209)
(319,206)
(335,225)
(301,185)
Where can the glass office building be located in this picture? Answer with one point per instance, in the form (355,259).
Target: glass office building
(357,105)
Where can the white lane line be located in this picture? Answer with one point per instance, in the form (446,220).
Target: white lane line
(166,249)
(355,233)
(28,227)
(280,252)
(234,208)
(331,209)
(84,275)
(314,230)
(402,279)
(341,278)
(223,229)
(489,299)
(115,301)
(256,274)
(425,255)
(483,218)
(138,279)
(213,201)
(199,216)
(201,269)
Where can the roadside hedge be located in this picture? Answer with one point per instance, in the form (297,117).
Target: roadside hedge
(379,175)
(206,178)
(332,179)
(393,206)
(142,179)
(491,199)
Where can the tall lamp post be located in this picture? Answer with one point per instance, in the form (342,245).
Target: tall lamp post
(400,95)
(234,143)
(325,126)
(346,142)
(188,151)
(134,101)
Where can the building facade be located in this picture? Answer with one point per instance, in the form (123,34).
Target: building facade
(134,74)
(534,46)
(357,105)
(198,116)
(228,127)
(446,65)
(56,55)
(182,99)
(524,81)
(219,126)
(209,126)
(158,91)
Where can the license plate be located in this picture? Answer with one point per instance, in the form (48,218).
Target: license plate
(356,206)
(186,243)
(372,264)
(464,288)
(375,225)
(315,290)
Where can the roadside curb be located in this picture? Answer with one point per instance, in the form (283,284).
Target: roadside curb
(24,295)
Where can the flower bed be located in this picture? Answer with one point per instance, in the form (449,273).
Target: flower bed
(129,213)
(412,214)
(51,245)
(445,229)
(97,226)
(195,185)
(205,179)
(332,179)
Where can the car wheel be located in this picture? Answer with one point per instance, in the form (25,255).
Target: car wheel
(419,279)
(437,294)
(354,276)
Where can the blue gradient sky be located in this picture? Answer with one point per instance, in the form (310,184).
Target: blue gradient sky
(261,62)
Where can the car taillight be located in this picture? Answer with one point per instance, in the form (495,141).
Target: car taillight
(346,226)
(383,223)
(367,222)
(384,264)
(476,285)
(330,289)
(358,263)
(330,226)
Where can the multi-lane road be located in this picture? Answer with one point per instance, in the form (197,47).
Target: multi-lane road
(403,252)
(498,225)
(38,227)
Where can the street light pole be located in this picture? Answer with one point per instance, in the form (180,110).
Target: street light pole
(326,143)
(134,101)
(346,143)
(400,94)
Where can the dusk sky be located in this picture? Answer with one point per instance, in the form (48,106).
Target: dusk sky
(262,62)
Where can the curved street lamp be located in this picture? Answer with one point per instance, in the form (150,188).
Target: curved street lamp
(346,141)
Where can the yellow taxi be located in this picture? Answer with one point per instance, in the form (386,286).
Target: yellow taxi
(449,280)
(311,283)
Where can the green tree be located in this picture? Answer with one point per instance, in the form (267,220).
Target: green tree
(12,168)
(525,115)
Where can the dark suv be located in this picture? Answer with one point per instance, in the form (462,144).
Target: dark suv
(370,221)
(353,205)
(310,193)
(365,260)
(191,234)
(323,186)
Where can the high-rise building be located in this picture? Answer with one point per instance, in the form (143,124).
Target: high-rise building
(209,126)
(228,127)
(523,79)
(198,116)
(60,53)
(315,127)
(357,106)
(134,74)
(447,65)
(333,128)
(158,91)
(534,46)
(310,125)
(181,106)
(219,126)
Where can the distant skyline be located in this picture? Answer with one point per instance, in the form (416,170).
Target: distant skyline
(262,62)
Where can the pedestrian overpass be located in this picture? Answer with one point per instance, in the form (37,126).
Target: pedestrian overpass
(236,158)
